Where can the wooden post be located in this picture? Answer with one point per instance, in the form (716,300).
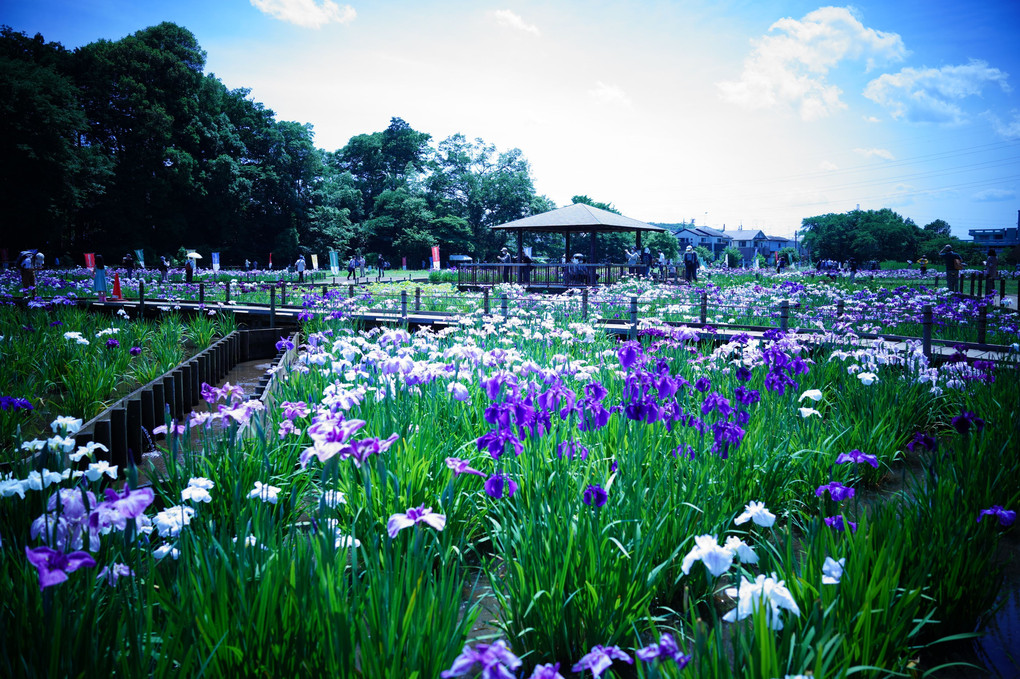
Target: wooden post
(633,315)
(135,438)
(141,299)
(485,300)
(118,436)
(784,315)
(972,277)
(226,291)
(584,304)
(201,293)
(403,305)
(417,300)
(982,324)
(350,289)
(704,308)
(283,293)
(505,305)
(272,307)
(926,323)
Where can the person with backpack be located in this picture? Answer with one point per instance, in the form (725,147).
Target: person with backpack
(690,265)
(352,265)
(954,265)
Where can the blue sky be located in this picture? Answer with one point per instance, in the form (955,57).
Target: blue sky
(731,113)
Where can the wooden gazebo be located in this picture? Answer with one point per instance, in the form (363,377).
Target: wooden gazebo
(572,219)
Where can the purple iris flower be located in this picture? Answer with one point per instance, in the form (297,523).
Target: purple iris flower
(53,566)
(703,384)
(718,402)
(742,417)
(595,495)
(593,416)
(837,490)
(666,649)
(857,457)
(1006,516)
(492,661)
(599,659)
(492,386)
(460,466)
(285,344)
(778,381)
(746,396)
(15,403)
(743,374)
(629,354)
(726,434)
(118,508)
(496,441)
(666,386)
(547,671)
(571,449)
(499,485)
(135,351)
(967,420)
(684,450)
(836,523)
(645,410)
(921,440)
(112,343)
(594,391)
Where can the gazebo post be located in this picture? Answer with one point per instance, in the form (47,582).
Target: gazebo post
(520,255)
(566,254)
(591,261)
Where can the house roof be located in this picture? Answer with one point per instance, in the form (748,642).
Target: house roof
(579,218)
(706,232)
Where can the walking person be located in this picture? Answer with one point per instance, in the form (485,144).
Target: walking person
(505,259)
(662,266)
(27,265)
(99,279)
(852,265)
(361,265)
(352,265)
(164,269)
(299,266)
(923,262)
(690,265)
(189,270)
(991,265)
(954,265)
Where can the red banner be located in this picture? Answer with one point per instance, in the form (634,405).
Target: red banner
(435,256)
(90,261)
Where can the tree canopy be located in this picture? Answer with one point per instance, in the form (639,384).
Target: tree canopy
(129,144)
(874,235)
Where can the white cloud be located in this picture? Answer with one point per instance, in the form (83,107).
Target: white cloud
(790,65)
(876,153)
(610,94)
(828,166)
(931,94)
(306,13)
(508,18)
(1007,130)
(992,195)
(871,119)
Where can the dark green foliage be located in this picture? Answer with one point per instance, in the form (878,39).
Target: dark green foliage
(129,144)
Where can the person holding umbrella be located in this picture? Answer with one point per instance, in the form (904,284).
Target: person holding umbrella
(189,267)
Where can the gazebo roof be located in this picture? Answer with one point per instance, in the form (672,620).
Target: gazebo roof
(578,218)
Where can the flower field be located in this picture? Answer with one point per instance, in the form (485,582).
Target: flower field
(60,360)
(530,497)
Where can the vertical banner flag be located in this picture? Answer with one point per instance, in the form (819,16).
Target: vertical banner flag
(403,263)
(215,261)
(527,251)
(315,262)
(334,263)
(435,257)
(90,261)
(270,260)
(140,258)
